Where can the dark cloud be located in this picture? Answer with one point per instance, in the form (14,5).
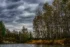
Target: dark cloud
(31,1)
(12,6)
(16,13)
(28,19)
(12,0)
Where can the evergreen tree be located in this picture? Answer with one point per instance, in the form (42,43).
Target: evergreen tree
(2,28)
(2,31)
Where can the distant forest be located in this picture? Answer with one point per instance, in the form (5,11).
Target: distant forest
(53,22)
(7,36)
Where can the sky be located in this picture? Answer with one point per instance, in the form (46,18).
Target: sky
(18,13)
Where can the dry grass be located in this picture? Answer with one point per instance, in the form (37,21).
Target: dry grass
(61,42)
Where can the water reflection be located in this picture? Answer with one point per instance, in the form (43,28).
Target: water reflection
(29,45)
(50,46)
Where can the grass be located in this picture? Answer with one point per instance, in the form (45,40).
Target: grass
(50,42)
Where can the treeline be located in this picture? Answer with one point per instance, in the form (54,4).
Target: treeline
(54,21)
(7,36)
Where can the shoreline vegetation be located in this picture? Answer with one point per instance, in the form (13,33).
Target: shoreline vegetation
(40,42)
(44,41)
(50,26)
(50,42)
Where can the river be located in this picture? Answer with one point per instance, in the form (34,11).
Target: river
(29,45)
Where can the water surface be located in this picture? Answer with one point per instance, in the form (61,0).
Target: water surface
(29,45)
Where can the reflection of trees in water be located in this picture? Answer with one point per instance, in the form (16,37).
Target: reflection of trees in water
(37,45)
(41,46)
(50,46)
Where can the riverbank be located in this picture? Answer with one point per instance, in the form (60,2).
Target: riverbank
(50,42)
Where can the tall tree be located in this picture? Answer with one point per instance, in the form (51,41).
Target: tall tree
(2,28)
(2,31)
(24,35)
(54,22)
